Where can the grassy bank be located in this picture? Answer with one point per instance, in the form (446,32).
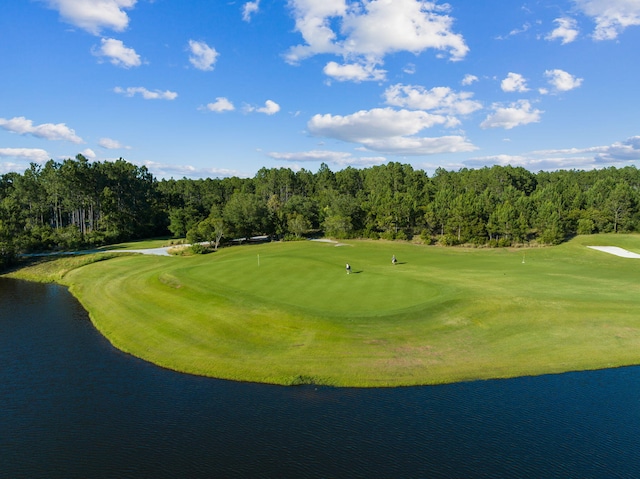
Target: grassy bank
(288,313)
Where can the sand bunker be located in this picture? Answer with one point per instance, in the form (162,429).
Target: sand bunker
(616,251)
(325,240)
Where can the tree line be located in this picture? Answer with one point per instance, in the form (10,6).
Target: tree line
(77,203)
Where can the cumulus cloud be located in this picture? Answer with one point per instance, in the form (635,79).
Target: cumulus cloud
(221,105)
(118,54)
(111,144)
(516,114)
(441,100)
(366,31)
(29,154)
(203,57)
(354,72)
(146,94)
(47,131)
(88,153)
(612,17)
(249,9)
(469,79)
(389,131)
(566,30)
(94,15)
(378,122)
(514,83)
(562,81)
(270,108)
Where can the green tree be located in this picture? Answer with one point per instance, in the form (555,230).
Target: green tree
(210,230)
(244,215)
(298,224)
(619,206)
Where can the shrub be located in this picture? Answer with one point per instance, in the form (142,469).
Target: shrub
(199,249)
(504,242)
(293,237)
(586,226)
(448,240)
(388,235)
(426,237)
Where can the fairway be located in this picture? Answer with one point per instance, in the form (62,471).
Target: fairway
(287,313)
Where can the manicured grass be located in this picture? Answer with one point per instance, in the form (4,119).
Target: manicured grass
(288,313)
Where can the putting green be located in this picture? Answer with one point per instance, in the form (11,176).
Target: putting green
(287,313)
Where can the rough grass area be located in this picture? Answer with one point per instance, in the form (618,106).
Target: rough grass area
(51,269)
(287,313)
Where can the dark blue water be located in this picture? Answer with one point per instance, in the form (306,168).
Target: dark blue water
(71,406)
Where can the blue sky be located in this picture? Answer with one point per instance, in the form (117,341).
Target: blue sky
(208,88)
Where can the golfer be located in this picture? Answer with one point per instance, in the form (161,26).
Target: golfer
(348,268)
(393,259)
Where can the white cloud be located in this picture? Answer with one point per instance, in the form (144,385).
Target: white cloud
(146,94)
(378,122)
(166,171)
(618,154)
(532,162)
(612,17)
(515,31)
(29,154)
(562,81)
(566,30)
(410,69)
(111,144)
(441,100)
(88,153)
(354,72)
(203,57)
(47,131)
(469,79)
(249,9)
(270,108)
(514,83)
(388,130)
(325,156)
(220,105)
(365,31)
(412,145)
(94,15)
(118,54)
(516,114)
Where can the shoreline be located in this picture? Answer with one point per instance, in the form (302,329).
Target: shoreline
(435,341)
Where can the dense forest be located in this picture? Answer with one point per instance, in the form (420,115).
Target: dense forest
(77,204)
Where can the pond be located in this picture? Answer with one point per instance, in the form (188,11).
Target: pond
(72,406)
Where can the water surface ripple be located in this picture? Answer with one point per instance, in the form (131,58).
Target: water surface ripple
(71,406)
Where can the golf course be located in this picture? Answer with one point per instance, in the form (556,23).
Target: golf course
(288,313)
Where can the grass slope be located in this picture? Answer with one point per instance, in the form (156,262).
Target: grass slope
(287,313)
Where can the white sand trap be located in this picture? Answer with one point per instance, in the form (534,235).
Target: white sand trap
(325,240)
(616,251)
